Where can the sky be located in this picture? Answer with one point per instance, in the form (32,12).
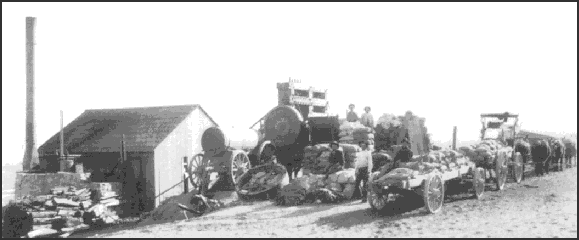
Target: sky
(447,62)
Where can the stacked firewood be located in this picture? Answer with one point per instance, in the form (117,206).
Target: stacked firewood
(58,213)
(67,209)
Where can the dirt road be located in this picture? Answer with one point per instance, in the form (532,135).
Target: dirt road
(539,207)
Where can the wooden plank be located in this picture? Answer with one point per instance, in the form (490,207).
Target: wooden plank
(65,202)
(46,214)
(42,233)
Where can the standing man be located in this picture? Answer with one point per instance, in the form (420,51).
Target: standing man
(364,167)
(367,119)
(351,116)
(336,159)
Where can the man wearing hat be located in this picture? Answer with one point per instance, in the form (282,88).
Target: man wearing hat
(367,119)
(336,159)
(404,155)
(351,116)
(364,167)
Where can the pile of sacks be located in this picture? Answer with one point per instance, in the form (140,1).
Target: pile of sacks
(312,188)
(316,158)
(485,152)
(443,161)
(262,178)
(354,132)
(262,181)
(387,121)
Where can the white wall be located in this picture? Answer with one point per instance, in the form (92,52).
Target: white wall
(184,141)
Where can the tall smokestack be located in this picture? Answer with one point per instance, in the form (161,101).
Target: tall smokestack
(31,152)
(454,138)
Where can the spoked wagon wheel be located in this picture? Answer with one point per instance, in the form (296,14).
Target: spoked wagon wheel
(239,165)
(478,182)
(518,167)
(433,193)
(377,201)
(501,172)
(195,171)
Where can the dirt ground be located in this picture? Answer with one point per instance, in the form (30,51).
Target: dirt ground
(539,207)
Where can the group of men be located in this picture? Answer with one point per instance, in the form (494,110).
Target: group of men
(367,119)
(364,164)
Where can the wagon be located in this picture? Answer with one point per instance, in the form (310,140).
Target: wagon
(504,163)
(224,158)
(430,187)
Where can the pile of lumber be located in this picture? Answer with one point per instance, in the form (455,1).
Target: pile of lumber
(316,158)
(67,209)
(60,212)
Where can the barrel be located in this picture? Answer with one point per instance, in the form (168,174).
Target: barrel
(217,140)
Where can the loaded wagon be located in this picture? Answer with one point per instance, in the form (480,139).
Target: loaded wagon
(508,161)
(431,186)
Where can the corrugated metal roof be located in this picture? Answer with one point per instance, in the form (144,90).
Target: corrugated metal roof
(101,130)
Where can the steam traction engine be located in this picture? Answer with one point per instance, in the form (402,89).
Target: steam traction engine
(299,120)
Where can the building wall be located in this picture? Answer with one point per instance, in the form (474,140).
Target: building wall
(184,141)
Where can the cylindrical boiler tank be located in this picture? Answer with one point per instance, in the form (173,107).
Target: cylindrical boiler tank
(283,125)
(217,140)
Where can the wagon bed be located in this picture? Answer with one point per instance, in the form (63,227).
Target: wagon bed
(430,186)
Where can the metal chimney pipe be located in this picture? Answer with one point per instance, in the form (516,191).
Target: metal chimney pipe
(31,152)
(61,134)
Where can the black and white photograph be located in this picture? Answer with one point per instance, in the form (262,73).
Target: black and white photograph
(289,119)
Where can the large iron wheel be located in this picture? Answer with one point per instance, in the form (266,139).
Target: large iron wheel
(433,193)
(501,171)
(195,171)
(377,201)
(239,165)
(518,167)
(478,182)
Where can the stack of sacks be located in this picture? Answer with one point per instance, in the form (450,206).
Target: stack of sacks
(337,186)
(388,121)
(485,152)
(364,134)
(316,158)
(425,164)
(353,132)
(379,159)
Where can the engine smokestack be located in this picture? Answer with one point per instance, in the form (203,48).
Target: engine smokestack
(31,152)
